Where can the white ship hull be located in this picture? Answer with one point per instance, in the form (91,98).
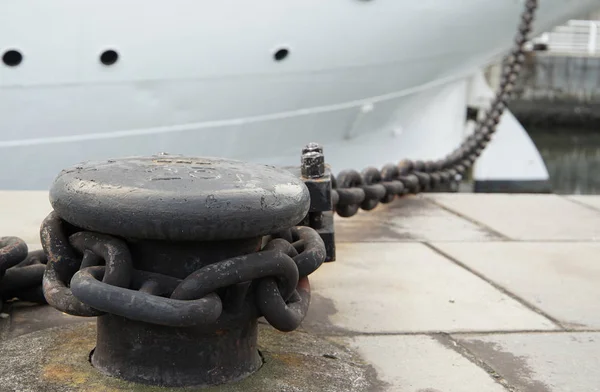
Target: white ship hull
(373,81)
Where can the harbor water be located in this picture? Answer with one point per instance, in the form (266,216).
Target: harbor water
(572,157)
(558,101)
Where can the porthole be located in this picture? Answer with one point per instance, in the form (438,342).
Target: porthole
(109,57)
(12,58)
(281,54)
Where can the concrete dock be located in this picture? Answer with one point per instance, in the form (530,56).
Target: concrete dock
(437,293)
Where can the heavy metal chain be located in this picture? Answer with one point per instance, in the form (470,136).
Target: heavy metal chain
(353,190)
(20,271)
(89,274)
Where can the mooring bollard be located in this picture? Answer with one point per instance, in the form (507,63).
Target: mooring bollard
(178,257)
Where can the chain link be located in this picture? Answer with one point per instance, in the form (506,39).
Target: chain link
(20,271)
(353,190)
(89,274)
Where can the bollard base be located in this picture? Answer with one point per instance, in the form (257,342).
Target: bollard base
(57,360)
(167,356)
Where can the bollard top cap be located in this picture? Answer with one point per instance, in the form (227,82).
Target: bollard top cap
(178,198)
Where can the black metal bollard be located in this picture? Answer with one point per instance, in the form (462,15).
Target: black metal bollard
(170,254)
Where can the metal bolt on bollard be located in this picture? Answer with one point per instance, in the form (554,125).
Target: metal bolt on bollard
(317,177)
(178,257)
(313,164)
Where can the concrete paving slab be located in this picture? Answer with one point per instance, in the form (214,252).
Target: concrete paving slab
(561,279)
(542,362)
(527,217)
(421,364)
(592,201)
(412,218)
(27,318)
(22,213)
(403,287)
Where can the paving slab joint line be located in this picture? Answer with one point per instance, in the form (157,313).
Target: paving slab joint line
(523,331)
(498,287)
(471,220)
(452,344)
(552,241)
(589,207)
(352,334)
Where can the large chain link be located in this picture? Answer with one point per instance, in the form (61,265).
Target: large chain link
(354,190)
(21,271)
(89,274)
